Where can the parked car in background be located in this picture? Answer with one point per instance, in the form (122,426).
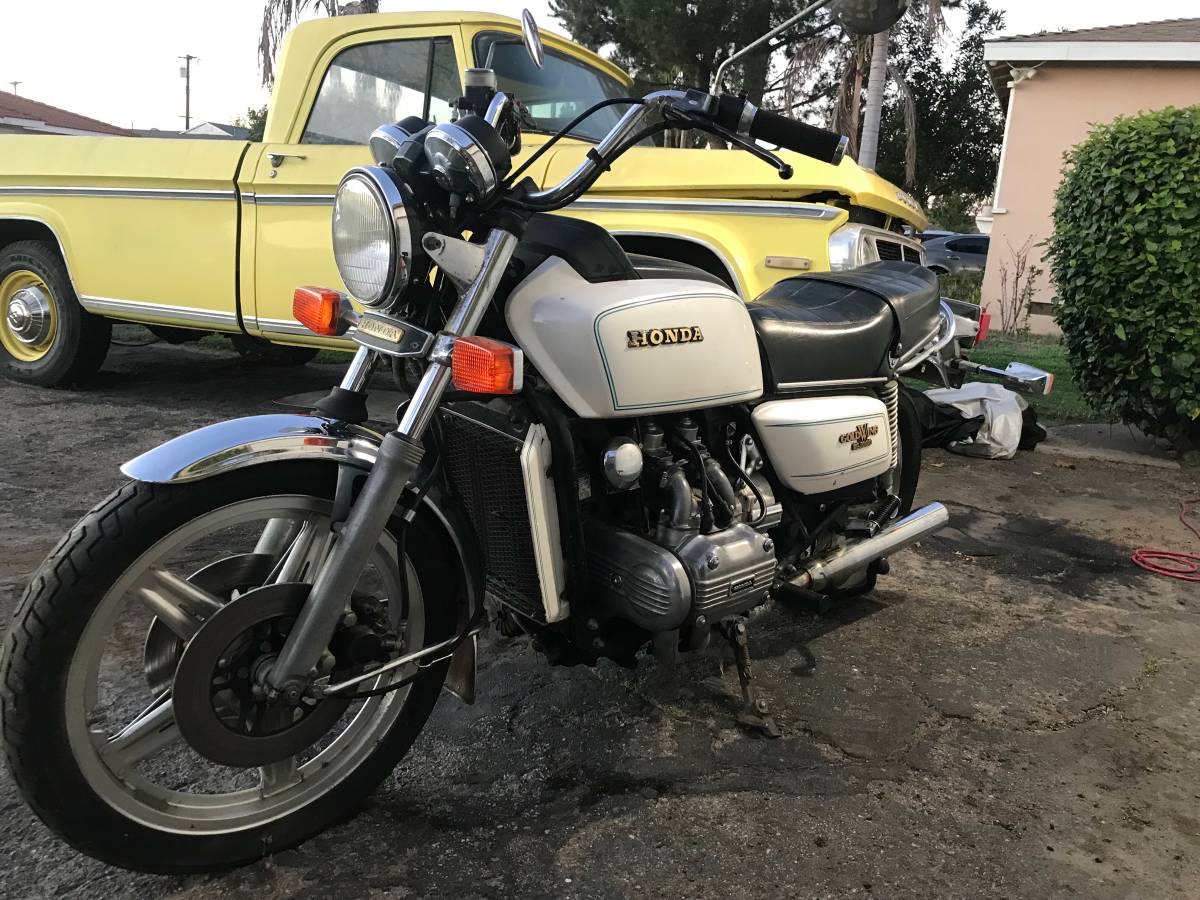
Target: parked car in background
(957,253)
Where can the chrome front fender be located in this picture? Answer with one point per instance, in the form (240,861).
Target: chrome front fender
(237,443)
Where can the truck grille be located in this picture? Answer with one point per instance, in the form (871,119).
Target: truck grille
(483,465)
(888,250)
(894,251)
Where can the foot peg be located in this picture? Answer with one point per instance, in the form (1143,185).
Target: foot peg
(755,712)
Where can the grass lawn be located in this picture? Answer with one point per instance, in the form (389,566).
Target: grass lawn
(1065,403)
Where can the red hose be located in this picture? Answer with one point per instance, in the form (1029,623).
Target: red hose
(1172,563)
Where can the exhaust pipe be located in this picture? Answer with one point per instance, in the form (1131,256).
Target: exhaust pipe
(831,570)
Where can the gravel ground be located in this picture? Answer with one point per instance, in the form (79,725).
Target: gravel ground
(1013,713)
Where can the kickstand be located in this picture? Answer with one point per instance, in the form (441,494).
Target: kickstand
(755,712)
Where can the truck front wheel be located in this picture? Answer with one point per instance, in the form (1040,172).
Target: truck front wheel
(46,337)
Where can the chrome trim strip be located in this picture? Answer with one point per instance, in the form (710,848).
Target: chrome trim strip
(137,309)
(845,382)
(816,211)
(125,193)
(288,199)
(281,326)
(237,443)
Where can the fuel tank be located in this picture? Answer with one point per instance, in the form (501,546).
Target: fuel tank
(635,347)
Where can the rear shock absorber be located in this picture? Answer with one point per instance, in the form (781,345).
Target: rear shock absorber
(890,395)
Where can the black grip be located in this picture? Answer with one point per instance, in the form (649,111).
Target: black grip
(827,146)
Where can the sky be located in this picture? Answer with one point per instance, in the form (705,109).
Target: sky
(118,62)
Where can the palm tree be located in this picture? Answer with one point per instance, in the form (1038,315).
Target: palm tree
(280,15)
(876,83)
(860,60)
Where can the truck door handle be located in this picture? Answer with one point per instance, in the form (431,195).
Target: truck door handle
(278,158)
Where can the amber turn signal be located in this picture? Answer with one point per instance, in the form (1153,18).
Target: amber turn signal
(484,366)
(318,309)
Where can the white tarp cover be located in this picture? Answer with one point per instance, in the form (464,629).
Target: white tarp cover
(1001,409)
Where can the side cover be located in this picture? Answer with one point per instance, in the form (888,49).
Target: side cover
(635,347)
(818,444)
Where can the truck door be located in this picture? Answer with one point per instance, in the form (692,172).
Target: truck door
(364,81)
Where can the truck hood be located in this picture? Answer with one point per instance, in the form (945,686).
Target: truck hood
(735,174)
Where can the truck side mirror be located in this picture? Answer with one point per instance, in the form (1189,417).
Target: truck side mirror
(532,38)
(868,16)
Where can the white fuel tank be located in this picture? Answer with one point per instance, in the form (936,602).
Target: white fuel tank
(634,348)
(817,444)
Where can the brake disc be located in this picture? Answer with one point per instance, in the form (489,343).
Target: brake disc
(220,704)
(162,647)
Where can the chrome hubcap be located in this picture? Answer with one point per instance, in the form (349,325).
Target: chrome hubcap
(28,315)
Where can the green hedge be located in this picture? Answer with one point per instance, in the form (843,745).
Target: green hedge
(1125,258)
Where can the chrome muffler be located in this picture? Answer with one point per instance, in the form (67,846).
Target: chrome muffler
(830,571)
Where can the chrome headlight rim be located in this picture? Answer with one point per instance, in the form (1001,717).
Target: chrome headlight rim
(464,142)
(386,189)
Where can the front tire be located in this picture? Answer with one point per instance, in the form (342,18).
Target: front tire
(49,715)
(46,337)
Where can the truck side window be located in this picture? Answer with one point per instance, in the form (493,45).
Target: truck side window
(372,84)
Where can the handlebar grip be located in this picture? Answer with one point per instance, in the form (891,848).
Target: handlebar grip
(827,146)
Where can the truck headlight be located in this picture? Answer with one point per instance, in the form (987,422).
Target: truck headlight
(373,236)
(845,248)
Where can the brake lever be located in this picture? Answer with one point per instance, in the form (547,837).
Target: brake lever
(785,170)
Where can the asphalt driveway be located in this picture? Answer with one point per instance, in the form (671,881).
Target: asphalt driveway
(1013,714)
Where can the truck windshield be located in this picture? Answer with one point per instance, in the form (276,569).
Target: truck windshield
(555,94)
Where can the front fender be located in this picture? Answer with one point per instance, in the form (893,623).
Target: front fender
(255,440)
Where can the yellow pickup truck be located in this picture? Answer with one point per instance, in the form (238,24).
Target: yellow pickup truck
(199,236)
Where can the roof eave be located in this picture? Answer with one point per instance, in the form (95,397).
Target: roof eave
(1092,51)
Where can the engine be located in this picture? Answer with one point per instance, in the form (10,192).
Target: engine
(688,548)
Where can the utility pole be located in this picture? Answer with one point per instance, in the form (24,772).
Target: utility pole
(185,72)
(14,85)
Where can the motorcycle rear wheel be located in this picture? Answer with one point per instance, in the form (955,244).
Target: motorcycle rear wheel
(152,803)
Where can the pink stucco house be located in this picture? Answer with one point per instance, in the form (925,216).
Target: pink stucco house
(1054,87)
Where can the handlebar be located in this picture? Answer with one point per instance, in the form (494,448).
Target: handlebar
(827,146)
(672,108)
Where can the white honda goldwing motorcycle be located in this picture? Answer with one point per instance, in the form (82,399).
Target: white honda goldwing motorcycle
(237,646)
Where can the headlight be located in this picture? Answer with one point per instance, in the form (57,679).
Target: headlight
(467,156)
(372,236)
(845,248)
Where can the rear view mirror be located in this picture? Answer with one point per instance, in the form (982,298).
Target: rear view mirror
(532,38)
(868,16)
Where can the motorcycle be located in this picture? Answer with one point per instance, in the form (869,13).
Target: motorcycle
(238,645)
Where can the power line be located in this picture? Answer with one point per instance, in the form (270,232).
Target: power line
(14,85)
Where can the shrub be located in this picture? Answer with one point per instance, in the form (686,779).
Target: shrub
(1125,258)
(963,286)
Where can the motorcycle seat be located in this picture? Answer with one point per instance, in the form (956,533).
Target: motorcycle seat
(844,326)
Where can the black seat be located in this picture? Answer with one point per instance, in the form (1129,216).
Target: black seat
(840,326)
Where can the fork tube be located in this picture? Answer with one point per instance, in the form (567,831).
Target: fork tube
(399,455)
(359,370)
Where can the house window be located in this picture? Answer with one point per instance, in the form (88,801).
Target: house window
(375,84)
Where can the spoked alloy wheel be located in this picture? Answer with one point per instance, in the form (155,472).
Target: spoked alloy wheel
(111,670)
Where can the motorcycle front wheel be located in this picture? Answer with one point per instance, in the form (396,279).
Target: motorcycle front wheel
(89,669)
